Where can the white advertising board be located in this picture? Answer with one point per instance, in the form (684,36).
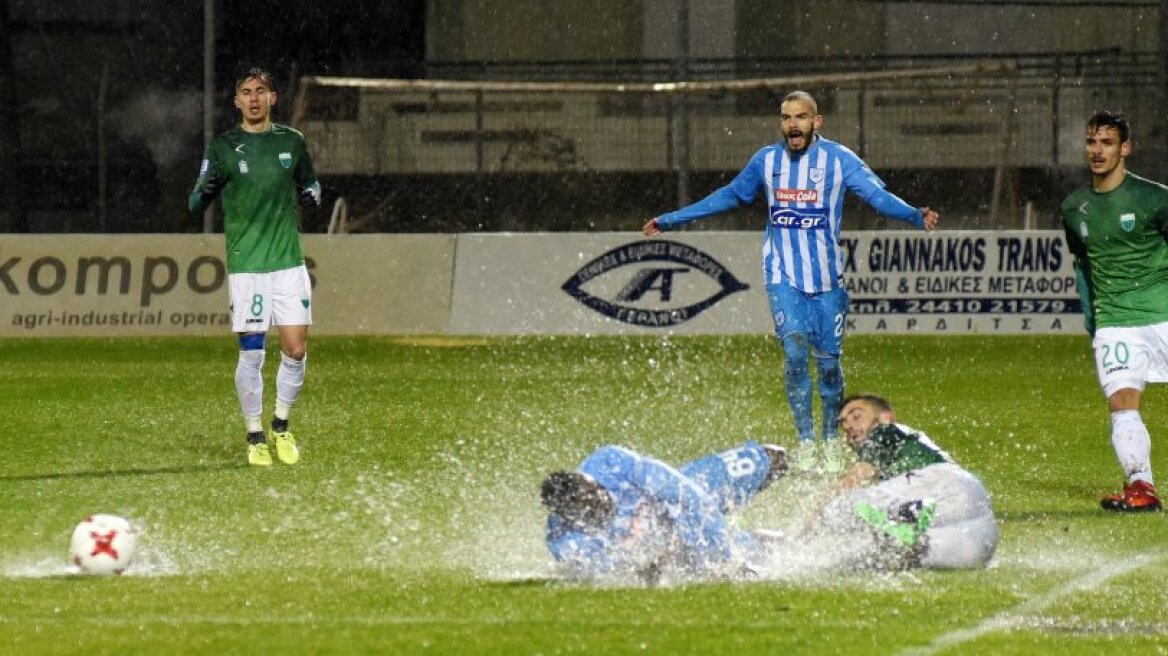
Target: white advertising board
(111,285)
(548,283)
(703,282)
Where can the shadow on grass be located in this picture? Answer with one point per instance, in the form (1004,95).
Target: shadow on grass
(530,582)
(113,473)
(1054,515)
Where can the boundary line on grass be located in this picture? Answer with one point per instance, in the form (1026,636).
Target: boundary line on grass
(1007,618)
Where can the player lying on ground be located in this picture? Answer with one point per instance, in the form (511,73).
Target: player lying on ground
(623,513)
(922,508)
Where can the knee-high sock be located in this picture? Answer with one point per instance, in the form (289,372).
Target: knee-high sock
(289,379)
(1133,445)
(797,350)
(249,385)
(831,392)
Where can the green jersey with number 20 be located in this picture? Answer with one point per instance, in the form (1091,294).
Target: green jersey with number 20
(261,176)
(1120,237)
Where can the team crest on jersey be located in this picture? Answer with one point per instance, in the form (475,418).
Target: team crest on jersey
(204,167)
(286,160)
(1083,229)
(1127,221)
(816,175)
(243,166)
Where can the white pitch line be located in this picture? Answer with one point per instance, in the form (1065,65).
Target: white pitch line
(1004,619)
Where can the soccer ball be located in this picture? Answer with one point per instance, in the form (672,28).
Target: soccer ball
(103,544)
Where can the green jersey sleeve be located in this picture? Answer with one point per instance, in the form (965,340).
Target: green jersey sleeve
(894,449)
(199,201)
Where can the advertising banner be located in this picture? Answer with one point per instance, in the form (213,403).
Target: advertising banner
(961,282)
(703,282)
(685,282)
(112,285)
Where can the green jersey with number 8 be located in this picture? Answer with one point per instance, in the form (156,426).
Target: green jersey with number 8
(261,176)
(1120,241)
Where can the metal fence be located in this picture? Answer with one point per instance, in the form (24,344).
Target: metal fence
(995,148)
(994,144)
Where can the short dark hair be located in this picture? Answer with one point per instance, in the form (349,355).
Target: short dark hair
(576,498)
(256,72)
(878,402)
(801,96)
(1109,119)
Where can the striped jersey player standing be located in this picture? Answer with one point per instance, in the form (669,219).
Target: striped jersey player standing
(1117,229)
(804,177)
(263,171)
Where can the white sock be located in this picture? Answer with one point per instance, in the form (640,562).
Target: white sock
(289,378)
(1133,445)
(249,385)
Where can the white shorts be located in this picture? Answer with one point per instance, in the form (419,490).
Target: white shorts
(260,300)
(1130,356)
(964,533)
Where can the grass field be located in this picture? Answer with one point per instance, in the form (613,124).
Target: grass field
(412,525)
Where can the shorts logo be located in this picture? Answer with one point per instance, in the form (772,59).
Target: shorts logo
(816,175)
(656,291)
(286,160)
(1127,221)
(796,195)
(780,319)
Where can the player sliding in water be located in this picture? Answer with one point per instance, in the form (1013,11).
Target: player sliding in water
(904,503)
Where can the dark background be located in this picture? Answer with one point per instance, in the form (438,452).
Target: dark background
(102,119)
(140,65)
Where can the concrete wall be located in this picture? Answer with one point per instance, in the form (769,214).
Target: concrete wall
(502,30)
(474,30)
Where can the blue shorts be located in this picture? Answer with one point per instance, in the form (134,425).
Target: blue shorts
(821,316)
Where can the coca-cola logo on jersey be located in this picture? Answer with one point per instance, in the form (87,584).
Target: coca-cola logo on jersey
(796,195)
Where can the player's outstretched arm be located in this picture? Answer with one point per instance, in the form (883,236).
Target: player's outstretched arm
(931,218)
(858,475)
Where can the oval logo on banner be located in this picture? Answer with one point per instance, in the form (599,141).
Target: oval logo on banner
(646,281)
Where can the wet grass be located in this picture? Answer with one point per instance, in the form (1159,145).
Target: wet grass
(412,526)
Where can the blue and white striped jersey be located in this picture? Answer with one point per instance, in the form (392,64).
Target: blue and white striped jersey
(805,202)
(660,510)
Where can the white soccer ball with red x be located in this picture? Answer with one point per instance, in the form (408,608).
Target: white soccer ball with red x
(103,544)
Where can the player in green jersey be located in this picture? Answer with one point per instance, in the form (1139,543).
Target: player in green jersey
(1117,229)
(923,508)
(263,170)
